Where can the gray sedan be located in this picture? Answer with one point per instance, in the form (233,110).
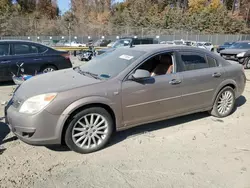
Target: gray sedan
(83,106)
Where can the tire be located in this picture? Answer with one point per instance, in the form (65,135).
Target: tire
(48,68)
(229,102)
(247,63)
(87,138)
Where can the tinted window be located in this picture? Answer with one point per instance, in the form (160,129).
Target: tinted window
(208,44)
(33,50)
(41,49)
(193,61)
(21,49)
(4,49)
(211,62)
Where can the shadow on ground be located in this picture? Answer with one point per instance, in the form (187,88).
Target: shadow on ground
(4,131)
(9,83)
(239,102)
(139,130)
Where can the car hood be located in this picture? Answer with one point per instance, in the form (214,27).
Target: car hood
(232,51)
(57,81)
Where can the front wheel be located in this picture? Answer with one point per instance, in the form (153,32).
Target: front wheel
(89,130)
(224,103)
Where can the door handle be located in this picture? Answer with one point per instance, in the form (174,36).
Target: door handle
(38,59)
(174,82)
(4,62)
(216,74)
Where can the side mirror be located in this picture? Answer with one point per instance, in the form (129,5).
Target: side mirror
(139,73)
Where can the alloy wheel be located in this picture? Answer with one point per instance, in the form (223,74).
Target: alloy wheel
(48,69)
(90,131)
(225,102)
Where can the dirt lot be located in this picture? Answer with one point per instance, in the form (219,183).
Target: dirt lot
(197,151)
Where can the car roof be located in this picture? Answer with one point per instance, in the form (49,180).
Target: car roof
(243,41)
(161,47)
(19,41)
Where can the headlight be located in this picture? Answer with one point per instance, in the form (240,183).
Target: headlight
(241,54)
(37,103)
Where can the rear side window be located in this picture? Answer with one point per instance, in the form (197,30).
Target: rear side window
(33,50)
(193,61)
(4,49)
(21,49)
(212,62)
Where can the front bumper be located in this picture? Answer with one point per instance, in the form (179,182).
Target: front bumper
(38,129)
(230,57)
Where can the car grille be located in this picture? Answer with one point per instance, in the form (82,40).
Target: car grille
(226,56)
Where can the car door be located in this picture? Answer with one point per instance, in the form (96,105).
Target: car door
(5,60)
(201,76)
(26,54)
(151,98)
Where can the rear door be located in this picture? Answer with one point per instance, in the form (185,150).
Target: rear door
(201,75)
(5,61)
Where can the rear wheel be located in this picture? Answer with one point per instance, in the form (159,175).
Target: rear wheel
(89,130)
(224,103)
(48,68)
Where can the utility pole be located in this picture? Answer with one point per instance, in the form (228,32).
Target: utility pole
(69,32)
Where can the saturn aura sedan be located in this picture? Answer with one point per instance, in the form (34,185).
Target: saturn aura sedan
(82,106)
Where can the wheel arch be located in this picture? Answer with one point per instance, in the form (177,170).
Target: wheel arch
(47,65)
(226,83)
(80,105)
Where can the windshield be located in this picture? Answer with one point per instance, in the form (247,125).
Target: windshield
(240,45)
(111,63)
(121,42)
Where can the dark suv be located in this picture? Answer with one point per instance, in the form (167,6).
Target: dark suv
(34,57)
(127,41)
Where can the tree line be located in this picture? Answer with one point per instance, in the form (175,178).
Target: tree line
(109,17)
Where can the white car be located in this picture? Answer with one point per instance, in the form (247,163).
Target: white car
(75,44)
(206,45)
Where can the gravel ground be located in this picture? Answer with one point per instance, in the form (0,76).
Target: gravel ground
(197,151)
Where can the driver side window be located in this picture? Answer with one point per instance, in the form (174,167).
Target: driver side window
(160,64)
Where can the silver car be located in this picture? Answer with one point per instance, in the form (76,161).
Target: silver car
(127,87)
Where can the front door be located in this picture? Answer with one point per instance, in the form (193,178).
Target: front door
(26,54)
(152,98)
(200,78)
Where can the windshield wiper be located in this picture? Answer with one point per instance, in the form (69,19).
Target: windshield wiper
(87,73)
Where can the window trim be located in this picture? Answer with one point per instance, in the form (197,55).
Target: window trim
(149,57)
(216,62)
(197,52)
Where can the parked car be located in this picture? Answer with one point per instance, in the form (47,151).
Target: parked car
(75,44)
(179,42)
(35,57)
(224,46)
(167,42)
(101,43)
(238,47)
(244,59)
(127,41)
(204,45)
(83,106)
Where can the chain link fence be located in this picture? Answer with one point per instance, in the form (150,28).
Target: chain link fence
(216,39)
